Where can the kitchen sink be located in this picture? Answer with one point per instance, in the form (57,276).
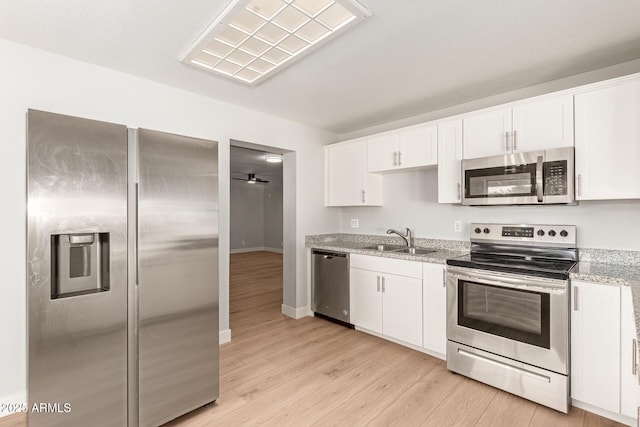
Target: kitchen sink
(415,251)
(384,248)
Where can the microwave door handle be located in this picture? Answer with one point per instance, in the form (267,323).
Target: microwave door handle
(539,189)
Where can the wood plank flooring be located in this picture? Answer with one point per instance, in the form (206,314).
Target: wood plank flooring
(277,371)
(310,372)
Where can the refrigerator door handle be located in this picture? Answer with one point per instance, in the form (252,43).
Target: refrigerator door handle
(137,234)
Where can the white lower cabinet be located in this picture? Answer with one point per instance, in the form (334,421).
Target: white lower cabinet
(366,299)
(630,356)
(434,303)
(402,308)
(386,297)
(595,345)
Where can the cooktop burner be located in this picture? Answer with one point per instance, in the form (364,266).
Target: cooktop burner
(554,269)
(536,250)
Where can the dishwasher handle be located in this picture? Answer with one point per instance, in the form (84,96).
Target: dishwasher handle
(328,254)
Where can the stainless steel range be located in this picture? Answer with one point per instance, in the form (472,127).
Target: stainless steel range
(508,310)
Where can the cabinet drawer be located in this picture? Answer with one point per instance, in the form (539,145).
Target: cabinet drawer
(387,265)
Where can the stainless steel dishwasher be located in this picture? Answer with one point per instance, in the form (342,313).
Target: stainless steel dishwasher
(330,287)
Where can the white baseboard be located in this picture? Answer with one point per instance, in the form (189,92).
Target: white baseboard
(257,249)
(243,250)
(276,250)
(225,336)
(296,313)
(604,413)
(15,398)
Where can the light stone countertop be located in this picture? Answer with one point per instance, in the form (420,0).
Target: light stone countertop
(354,243)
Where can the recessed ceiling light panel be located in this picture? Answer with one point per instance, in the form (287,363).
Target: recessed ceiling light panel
(252,40)
(273,158)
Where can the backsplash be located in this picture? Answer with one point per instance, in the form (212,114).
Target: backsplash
(411,200)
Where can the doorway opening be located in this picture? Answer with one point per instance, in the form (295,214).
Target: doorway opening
(256,241)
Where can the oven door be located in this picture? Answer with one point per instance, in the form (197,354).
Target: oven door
(518,317)
(504,180)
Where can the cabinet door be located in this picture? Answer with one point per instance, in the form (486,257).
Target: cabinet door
(434,307)
(345,174)
(607,148)
(418,147)
(543,124)
(487,134)
(450,162)
(629,388)
(366,299)
(402,308)
(382,153)
(595,345)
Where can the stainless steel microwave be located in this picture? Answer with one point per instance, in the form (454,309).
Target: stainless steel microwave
(531,178)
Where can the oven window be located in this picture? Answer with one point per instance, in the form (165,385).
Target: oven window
(510,181)
(510,313)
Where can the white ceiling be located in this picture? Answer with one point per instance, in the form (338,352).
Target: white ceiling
(409,58)
(244,161)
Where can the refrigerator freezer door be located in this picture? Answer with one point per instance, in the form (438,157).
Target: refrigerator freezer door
(177,275)
(77,328)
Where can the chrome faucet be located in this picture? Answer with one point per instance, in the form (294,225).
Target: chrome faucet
(408,238)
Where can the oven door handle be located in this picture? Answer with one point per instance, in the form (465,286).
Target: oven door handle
(539,181)
(496,279)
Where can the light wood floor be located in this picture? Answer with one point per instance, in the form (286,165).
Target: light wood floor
(277,371)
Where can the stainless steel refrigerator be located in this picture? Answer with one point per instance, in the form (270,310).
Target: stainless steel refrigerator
(122,273)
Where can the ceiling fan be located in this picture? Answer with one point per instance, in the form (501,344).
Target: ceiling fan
(251,179)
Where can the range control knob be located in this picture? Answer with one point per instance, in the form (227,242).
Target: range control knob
(564,233)
(477,230)
(552,233)
(540,232)
(486,231)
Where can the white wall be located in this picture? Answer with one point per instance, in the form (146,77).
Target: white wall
(273,213)
(247,210)
(256,215)
(35,79)
(411,200)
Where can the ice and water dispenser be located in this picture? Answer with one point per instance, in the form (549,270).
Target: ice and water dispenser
(79,264)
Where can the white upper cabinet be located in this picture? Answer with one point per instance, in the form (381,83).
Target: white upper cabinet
(418,147)
(543,124)
(382,152)
(608,142)
(487,134)
(413,147)
(535,125)
(347,182)
(450,162)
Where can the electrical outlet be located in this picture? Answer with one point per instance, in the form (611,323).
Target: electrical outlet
(457,226)
(355,223)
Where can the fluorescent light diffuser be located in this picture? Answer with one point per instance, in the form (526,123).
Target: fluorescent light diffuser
(273,158)
(252,40)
